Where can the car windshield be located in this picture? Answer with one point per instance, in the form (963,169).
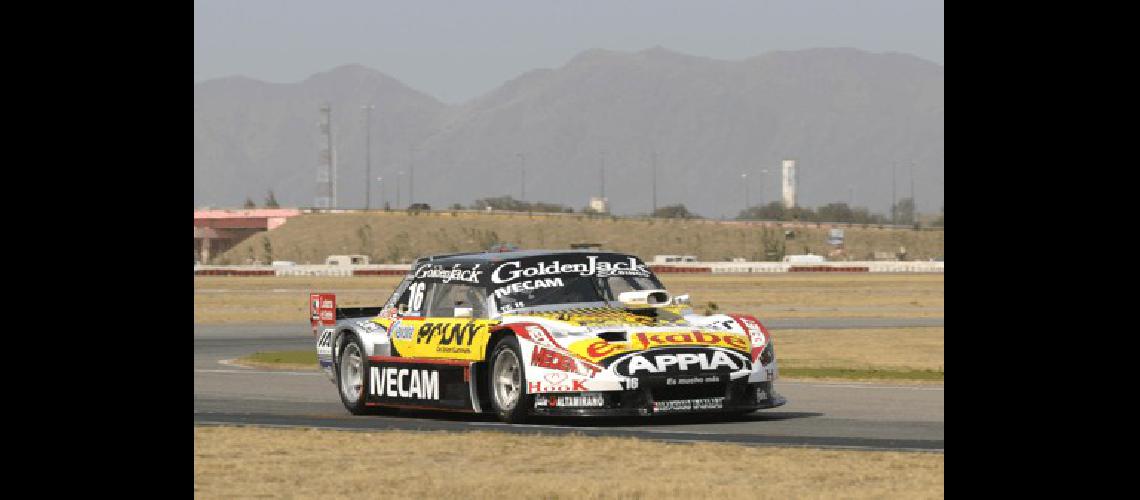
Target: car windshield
(571,289)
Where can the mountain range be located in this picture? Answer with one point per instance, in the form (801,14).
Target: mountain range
(848,117)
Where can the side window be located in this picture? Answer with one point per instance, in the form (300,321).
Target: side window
(400,294)
(442,299)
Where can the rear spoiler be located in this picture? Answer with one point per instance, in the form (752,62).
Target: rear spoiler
(358,312)
(322,311)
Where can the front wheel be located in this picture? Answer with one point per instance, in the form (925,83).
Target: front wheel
(508,382)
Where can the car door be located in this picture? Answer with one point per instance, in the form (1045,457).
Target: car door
(443,321)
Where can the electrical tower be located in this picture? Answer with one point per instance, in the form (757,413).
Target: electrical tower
(326,162)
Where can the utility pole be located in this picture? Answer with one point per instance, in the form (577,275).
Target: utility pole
(367,155)
(398,182)
(522,167)
(763,174)
(744,180)
(653,166)
(411,174)
(913,202)
(603,171)
(894,199)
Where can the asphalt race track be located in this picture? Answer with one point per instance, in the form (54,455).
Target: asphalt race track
(818,414)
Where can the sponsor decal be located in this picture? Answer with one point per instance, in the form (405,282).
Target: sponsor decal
(755,332)
(448,333)
(513,270)
(579,401)
(692,380)
(761,394)
(368,326)
(324,344)
(647,340)
(556,382)
(680,360)
(405,383)
(596,349)
(540,336)
(326,338)
(554,360)
(449,275)
(527,285)
(689,404)
(449,338)
(401,331)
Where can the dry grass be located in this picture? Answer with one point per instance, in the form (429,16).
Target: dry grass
(862,349)
(399,237)
(307,463)
(283,300)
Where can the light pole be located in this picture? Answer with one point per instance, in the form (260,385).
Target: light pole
(763,174)
(411,174)
(653,166)
(522,167)
(399,176)
(744,180)
(380,183)
(367,155)
(603,173)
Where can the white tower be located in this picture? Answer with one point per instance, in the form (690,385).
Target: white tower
(789,183)
(326,162)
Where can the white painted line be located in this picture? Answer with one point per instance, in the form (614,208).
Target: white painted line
(257,372)
(538,426)
(603,429)
(862,386)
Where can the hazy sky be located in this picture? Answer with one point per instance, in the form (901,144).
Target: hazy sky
(458,50)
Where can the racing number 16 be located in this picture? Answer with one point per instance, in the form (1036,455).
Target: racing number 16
(417,296)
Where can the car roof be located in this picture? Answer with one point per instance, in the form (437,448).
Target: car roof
(492,257)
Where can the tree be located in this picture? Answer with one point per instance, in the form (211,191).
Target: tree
(271,201)
(268,247)
(510,204)
(677,211)
(772,211)
(249,203)
(903,212)
(835,212)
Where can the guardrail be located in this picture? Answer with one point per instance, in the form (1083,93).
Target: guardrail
(677,267)
(589,215)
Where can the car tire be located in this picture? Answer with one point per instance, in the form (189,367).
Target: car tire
(351,377)
(507,378)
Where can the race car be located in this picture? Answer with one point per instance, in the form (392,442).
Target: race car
(532,333)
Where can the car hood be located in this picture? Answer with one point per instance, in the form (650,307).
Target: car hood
(599,334)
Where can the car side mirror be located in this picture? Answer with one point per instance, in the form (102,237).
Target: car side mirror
(402,309)
(463,312)
(681,300)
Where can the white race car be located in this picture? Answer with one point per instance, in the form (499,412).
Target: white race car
(526,333)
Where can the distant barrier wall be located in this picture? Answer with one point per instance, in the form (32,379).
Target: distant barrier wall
(679,267)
